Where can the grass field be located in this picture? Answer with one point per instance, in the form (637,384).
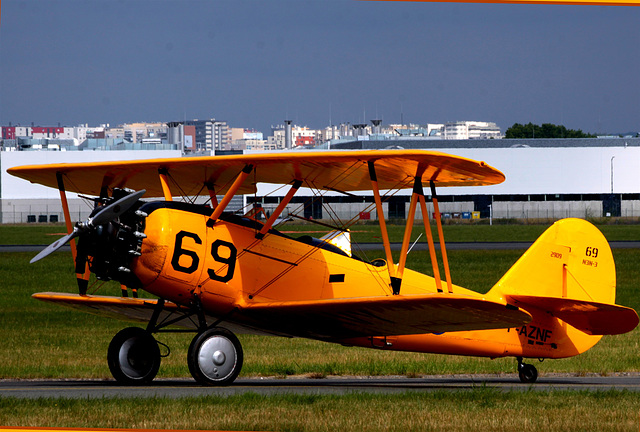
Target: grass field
(614,230)
(480,409)
(67,343)
(44,341)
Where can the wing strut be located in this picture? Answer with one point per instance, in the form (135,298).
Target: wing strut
(212,194)
(417,190)
(164,182)
(381,220)
(278,211)
(230,193)
(432,248)
(82,278)
(443,250)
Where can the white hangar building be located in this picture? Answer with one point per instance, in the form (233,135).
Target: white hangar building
(544,179)
(21,201)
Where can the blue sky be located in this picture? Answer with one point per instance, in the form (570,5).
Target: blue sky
(254,63)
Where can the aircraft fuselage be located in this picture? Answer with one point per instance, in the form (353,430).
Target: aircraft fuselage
(226,267)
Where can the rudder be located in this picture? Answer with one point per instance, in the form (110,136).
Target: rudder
(569,272)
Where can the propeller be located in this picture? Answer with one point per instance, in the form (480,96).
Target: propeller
(107,214)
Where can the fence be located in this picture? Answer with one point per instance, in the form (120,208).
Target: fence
(17,217)
(346,212)
(559,214)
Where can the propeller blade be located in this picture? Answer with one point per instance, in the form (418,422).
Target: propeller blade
(115,209)
(107,214)
(55,245)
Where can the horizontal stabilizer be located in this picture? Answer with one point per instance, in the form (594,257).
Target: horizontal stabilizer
(593,318)
(385,316)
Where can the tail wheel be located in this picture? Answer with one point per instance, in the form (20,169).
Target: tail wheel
(215,357)
(528,373)
(133,356)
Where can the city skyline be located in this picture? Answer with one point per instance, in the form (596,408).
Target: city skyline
(254,64)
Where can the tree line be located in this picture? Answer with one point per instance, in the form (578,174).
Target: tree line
(546,130)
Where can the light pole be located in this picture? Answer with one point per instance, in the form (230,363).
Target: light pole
(612,158)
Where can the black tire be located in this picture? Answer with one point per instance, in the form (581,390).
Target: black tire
(215,357)
(133,356)
(528,373)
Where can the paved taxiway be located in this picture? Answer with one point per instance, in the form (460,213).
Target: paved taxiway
(378,246)
(178,388)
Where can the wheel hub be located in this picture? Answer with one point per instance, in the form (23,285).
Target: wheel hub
(219,358)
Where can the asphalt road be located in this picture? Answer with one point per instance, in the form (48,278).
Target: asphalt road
(178,388)
(378,246)
(485,245)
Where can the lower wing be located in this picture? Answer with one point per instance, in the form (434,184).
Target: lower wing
(383,316)
(321,319)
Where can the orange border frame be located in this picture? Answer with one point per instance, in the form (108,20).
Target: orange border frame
(538,2)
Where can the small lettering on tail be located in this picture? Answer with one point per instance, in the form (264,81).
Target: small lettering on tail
(535,334)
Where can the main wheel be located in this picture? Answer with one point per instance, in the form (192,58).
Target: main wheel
(215,357)
(528,373)
(133,356)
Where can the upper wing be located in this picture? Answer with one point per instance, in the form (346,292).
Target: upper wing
(328,170)
(384,316)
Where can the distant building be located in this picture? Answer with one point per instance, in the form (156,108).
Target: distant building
(252,134)
(38,132)
(114,132)
(327,134)
(257,144)
(305,141)
(236,134)
(51,132)
(277,139)
(432,130)
(79,134)
(248,139)
(138,132)
(183,136)
(300,136)
(210,135)
(471,130)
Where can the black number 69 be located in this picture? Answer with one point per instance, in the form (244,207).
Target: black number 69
(226,253)
(592,252)
(178,252)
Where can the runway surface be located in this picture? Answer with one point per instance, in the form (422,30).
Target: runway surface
(378,246)
(179,388)
(486,245)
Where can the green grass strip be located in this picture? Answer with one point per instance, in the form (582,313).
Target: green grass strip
(41,340)
(477,409)
(622,230)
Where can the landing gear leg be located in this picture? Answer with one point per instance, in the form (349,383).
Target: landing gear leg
(215,357)
(133,356)
(528,373)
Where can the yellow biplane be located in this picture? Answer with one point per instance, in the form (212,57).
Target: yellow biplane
(215,272)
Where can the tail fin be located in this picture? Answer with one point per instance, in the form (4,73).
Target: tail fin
(569,273)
